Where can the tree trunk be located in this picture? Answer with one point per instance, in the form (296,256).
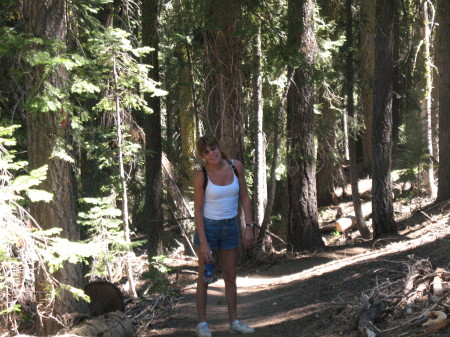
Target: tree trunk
(187,118)
(273,167)
(224,79)
(260,182)
(326,153)
(398,82)
(427,128)
(186,105)
(303,226)
(382,204)
(223,93)
(153,136)
(366,73)
(125,216)
(326,126)
(354,176)
(443,62)
(47,134)
(113,324)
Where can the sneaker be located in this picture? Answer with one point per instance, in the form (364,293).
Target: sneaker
(202,330)
(240,327)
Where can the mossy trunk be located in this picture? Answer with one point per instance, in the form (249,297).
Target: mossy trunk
(366,73)
(223,75)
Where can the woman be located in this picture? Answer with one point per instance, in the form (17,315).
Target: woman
(217,190)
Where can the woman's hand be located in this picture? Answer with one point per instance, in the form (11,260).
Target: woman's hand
(249,237)
(205,252)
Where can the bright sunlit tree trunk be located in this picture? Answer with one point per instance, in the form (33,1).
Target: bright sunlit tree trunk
(260,183)
(427,128)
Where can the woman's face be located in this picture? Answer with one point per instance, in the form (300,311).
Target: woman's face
(212,154)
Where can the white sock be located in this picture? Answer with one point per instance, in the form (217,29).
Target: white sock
(202,324)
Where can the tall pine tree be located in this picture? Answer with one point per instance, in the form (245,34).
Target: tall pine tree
(303,226)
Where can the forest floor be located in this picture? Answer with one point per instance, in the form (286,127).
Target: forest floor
(387,282)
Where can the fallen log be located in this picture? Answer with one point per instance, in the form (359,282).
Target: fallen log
(343,224)
(113,324)
(328,227)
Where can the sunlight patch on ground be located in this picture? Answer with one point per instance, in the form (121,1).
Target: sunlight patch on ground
(279,317)
(255,283)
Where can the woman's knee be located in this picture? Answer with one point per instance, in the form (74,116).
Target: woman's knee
(229,277)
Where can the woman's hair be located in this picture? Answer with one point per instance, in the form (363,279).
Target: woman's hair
(205,141)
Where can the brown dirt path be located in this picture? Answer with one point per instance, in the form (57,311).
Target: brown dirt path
(291,298)
(294,296)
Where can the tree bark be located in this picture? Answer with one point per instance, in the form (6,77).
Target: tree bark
(326,126)
(273,166)
(443,62)
(366,73)
(303,226)
(325,176)
(48,133)
(354,176)
(398,82)
(153,136)
(382,204)
(188,124)
(224,78)
(187,119)
(427,128)
(260,183)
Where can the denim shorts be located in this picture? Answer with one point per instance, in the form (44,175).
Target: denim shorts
(220,234)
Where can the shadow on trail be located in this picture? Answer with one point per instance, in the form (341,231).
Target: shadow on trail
(292,298)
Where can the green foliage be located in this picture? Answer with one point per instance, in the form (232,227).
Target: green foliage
(157,274)
(113,52)
(160,263)
(24,247)
(105,237)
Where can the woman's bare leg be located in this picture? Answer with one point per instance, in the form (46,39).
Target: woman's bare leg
(229,258)
(202,288)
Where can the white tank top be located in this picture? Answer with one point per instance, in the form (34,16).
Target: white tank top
(221,202)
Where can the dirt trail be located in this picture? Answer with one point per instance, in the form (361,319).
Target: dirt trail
(293,296)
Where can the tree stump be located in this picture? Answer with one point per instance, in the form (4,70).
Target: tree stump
(105,297)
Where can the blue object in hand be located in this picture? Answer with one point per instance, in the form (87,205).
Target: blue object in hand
(209,271)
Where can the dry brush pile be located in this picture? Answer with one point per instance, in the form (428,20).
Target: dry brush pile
(414,301)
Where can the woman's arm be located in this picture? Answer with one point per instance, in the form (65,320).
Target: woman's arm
(199,196)
(246,204)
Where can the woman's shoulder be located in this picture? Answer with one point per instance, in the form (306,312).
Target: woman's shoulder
(238,164)
(199,173)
